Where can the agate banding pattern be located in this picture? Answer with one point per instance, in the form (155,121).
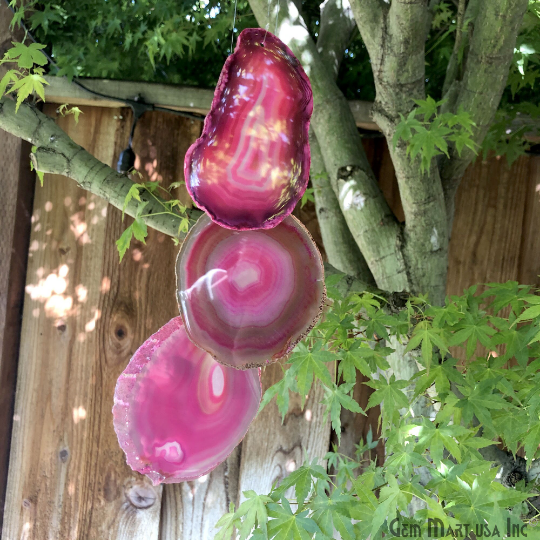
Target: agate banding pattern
(177,413)
(250,166)
(247,297)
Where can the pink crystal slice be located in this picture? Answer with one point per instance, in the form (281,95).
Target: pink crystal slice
(178,413)
(247,297)
(250,166)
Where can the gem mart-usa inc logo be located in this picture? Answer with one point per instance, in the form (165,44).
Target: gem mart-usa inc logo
(436,529)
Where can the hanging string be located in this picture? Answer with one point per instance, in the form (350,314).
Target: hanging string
(277,13)
(267,24)
(233,25)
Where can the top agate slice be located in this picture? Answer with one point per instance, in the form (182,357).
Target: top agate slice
(250,166)
(248,297)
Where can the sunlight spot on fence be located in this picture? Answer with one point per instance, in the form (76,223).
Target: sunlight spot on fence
(37,228)
(90,326)
(79,228)
(91,206)
(67,201)
(71,488)
(94,220)
(34,246)
(308,415)
(26,531)
(104,211)
(81,336)
(35,312)
(16,418)
(82,201)
(290,465)
(203,479)
(136,254)
(58,306)
(79,413)
(48,206)
(105,284)
(82,293)
(35,216)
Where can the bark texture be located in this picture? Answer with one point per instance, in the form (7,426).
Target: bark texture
(56,153)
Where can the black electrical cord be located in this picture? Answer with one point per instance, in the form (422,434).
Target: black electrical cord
(126,160)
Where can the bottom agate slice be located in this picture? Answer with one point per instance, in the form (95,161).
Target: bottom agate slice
(178,413)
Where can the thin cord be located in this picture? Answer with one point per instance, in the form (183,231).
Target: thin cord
(233,25)
(267,23)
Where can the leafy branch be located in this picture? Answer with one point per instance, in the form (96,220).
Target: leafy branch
(427,131)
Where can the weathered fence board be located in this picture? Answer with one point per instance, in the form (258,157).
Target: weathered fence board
(17,189)
(84,316)
(488,225)
(271,451)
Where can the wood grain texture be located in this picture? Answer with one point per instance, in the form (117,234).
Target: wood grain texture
(529,260)
(84,317)
(17,188)
(271,450)
(488,224)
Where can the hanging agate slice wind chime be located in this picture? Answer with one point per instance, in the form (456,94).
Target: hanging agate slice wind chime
(250,278)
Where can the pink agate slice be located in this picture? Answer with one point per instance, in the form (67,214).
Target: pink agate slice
(247,297)
(177,413)
(250,166)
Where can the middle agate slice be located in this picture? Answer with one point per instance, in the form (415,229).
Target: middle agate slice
(248,297)
(250,166)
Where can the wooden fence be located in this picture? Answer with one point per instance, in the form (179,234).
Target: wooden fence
(84,316)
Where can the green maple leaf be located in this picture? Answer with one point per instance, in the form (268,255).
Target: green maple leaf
(479,400)
(26,55)
(532,441)
(404,459)
(226,523)
(428,107)
(281,391)
(254,513)
(122,244)
(27,85)
(10,77)
(404,130)
(302,480)
(427,336)
(435,438)
(335,398)
(140,231)
(288,526)
(473,329)
(441,375)
(333,512)
(532,312)
(306,365)
(389,393)
(133,193)
(391,500)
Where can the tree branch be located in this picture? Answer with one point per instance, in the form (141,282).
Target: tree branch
(336,27)
(397,53)
(57,153)
(491,49)
(368,216)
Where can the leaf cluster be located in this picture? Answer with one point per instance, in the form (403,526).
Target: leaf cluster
(142,194)
(491,397)
(427,131)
